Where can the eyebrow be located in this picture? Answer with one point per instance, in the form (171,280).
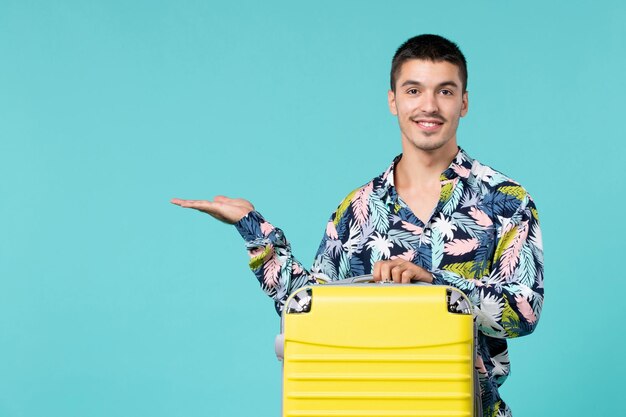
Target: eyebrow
(449,83)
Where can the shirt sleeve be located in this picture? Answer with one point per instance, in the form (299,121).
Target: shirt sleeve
(508,301)
(272,262)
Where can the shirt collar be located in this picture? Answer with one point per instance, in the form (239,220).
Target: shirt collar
(459,168)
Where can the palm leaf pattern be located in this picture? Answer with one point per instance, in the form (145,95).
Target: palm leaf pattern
(437,248)
(483,238)
(451,204)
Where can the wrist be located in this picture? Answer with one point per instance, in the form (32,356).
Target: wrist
(249,226)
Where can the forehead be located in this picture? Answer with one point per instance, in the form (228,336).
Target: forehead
(428,72)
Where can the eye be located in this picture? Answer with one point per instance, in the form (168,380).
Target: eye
(446,92)
(413,91)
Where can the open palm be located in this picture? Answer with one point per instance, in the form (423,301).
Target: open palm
(225,209)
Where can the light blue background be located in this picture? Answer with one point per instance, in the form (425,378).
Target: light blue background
(115,303)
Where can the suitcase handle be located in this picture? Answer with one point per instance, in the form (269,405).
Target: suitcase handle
(364,279)
(457,302)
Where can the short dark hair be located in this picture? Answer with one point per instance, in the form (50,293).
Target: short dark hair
(434,48)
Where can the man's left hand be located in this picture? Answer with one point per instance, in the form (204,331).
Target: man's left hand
(400,271)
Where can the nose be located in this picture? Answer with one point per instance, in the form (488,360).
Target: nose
(429,103)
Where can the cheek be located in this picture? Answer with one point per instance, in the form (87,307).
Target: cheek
(404,109)
(462,110)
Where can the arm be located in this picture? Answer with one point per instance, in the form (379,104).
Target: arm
(509,300)
(271,260)
(277,270)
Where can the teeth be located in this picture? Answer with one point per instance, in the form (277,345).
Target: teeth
(428,124)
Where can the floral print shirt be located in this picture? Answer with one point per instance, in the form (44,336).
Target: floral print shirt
(483,238)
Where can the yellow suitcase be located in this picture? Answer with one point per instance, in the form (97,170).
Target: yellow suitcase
(377,350)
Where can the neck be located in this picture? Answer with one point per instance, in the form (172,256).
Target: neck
(419,167)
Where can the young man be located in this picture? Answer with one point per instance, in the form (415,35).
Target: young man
(435,215)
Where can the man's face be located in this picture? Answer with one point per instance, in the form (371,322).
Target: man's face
(429,101)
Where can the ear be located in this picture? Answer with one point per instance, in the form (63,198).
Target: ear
(391,99)
(465,105)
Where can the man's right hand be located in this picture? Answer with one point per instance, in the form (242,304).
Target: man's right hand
(227,210)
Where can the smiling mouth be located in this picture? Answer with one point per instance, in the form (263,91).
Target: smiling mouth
(428,126)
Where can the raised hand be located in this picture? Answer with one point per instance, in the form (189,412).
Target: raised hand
(224,209)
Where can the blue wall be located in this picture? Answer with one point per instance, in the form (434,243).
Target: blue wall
(115,303)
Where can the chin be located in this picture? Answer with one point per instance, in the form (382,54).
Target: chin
(426,145)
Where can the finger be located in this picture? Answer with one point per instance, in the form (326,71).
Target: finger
(177,201)
(244,203)
(227,200)
(202,205)
(401,271)
(386,266)
(382,267)
(407,275)
(420,274)
(240,202)
(397,271)
(376,272)
(182,203)
(385,271)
